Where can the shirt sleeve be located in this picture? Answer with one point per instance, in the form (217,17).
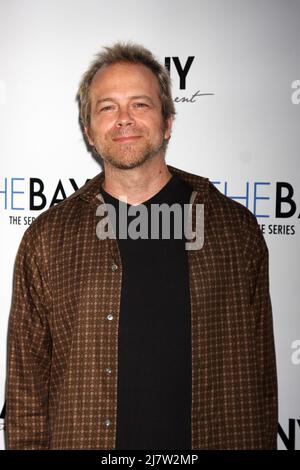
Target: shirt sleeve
(261,308)
(29,351)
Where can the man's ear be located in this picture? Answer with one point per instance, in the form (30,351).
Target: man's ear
(168,130)
(89,136)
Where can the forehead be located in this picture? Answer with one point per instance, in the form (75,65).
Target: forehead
(124,78)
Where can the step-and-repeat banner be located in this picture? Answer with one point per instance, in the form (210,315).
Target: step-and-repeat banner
(235,69)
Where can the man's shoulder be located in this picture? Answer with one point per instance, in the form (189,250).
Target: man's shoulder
(233,221)
(216,202)
(227,207)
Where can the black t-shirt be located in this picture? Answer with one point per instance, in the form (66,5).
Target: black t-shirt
(154,353)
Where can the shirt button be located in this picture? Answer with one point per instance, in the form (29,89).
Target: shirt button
(108,370)
(109,317)
(107,423)
(114,267)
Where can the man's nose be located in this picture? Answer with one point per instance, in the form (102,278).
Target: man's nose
(125,117)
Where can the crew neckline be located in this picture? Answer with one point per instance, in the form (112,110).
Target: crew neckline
(151,200)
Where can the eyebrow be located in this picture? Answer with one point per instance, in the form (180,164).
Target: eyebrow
(138,97)
(135,97)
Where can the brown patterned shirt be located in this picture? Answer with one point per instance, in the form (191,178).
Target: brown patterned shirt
(63,329)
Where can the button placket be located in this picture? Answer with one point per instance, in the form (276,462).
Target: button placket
(108,371)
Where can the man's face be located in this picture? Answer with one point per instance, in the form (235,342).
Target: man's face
(127,127)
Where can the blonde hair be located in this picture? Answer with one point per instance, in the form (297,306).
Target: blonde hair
(130,53)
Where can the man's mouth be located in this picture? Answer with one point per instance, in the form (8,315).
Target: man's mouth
(127,138)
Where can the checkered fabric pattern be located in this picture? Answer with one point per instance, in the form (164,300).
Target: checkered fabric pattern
(62,376)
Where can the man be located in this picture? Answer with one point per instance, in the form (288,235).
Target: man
(119,342)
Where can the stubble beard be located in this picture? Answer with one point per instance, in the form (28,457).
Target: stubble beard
(129,155)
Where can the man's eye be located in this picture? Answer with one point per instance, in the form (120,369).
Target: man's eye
(106,108)
(140,105)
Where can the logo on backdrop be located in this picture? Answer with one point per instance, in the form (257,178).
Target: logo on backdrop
(289,438)
(267,201)
(18,195)
(182,67)
(274,204)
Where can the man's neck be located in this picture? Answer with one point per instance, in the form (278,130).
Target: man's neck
(139,184)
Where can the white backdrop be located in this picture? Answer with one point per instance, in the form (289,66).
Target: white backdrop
(242,131)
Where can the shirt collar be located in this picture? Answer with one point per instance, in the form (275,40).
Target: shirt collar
(90,191)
